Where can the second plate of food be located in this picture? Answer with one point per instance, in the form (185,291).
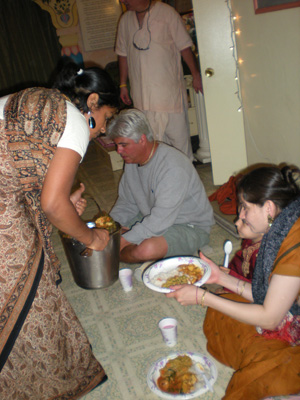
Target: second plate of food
(162,274)
(182,376)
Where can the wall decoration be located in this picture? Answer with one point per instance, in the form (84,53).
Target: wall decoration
(64,16)
(263,6)
(98,23)
(63,13)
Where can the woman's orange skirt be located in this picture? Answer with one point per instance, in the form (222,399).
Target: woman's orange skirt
(262,367)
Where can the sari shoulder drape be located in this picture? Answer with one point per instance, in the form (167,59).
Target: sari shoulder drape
(35,119)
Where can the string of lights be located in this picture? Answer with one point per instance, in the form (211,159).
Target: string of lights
(238,62)
(234,53)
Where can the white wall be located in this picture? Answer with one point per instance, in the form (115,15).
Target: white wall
(269,45)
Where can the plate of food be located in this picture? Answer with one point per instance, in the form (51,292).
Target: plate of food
(162,274)
(182,376)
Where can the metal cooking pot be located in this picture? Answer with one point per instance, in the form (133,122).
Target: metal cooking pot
(93,269)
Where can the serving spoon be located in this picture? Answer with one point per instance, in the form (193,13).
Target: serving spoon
(227,250)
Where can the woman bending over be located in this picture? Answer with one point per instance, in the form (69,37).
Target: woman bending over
(44,134)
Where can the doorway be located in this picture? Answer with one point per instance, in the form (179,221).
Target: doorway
(219,71)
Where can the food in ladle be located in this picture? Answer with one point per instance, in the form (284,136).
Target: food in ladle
(106,222)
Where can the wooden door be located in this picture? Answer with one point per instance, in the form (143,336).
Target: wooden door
(225,123)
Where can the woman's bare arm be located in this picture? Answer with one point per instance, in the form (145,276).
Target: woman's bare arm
(56,203)
(282,292)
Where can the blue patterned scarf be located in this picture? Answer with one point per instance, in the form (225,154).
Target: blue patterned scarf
(268,251)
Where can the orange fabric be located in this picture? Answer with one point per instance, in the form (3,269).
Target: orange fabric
(290,263)
(226,196)
(262,367)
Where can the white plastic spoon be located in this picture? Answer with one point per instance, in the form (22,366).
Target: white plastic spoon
(228,250)
(200,370)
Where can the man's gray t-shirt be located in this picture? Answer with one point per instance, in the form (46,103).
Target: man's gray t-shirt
(166,191)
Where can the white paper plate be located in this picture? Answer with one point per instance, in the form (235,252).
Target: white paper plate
(167,264)
(205,363)
(138,272)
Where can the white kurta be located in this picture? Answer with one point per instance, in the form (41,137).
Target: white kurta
(156,74)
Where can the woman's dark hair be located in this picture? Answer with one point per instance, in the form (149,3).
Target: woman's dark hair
(77,84)
(270,183)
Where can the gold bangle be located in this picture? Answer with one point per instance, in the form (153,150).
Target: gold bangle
(123,85)
(202,299)
(243,288)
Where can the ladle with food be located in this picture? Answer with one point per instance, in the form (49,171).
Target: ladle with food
(102,220)
(105,221)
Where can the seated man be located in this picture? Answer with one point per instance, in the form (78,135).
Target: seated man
(162,203)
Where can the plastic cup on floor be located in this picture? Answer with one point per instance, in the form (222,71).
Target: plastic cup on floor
(125,276)
(168,328)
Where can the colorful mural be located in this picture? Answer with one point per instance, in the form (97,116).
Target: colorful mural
(64,16)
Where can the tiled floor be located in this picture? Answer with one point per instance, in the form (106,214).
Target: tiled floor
(122,327)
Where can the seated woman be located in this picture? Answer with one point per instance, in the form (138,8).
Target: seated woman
(256,329)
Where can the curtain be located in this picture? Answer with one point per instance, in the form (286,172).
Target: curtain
(29,46)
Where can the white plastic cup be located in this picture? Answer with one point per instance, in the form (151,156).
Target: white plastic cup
(168,328)
(125,276)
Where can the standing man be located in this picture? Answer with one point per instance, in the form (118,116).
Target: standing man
(162,204)
(150,42)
